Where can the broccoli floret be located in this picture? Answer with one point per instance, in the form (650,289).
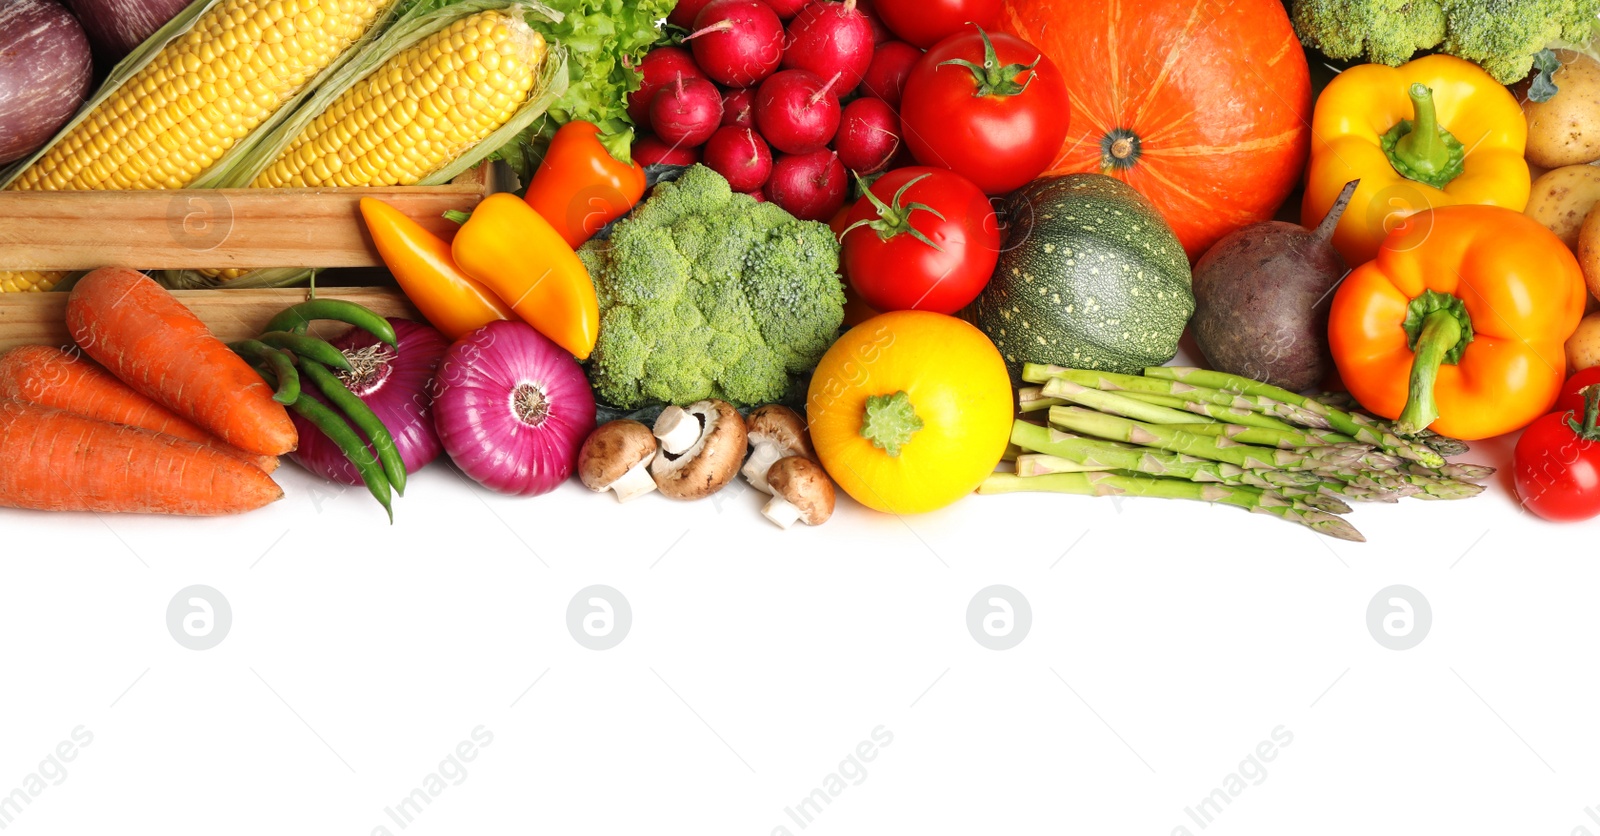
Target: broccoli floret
(1503,35)
(1500,35)
(707,293)
(1385,31)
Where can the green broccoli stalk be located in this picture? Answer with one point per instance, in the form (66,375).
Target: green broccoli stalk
(1501,35)
(705,293)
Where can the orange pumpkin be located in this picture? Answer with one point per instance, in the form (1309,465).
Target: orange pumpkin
(1203,106)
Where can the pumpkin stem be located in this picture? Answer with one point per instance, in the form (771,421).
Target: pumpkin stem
(889,422)
(1421,149)
(991,78)
(894,217)
(1120,150)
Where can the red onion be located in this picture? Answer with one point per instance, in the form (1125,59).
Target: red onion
(45,68)
(512,409)
(395,383)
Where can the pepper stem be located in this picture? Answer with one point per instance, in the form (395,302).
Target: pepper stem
(1441,331)
(1421,149)
(889,422)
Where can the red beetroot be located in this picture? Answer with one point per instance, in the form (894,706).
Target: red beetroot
(686,112)
(797,111)
(869,136)
(660,67)
(740,155)
(739,108)
(810,186)
(828,38)
(787,9)
(738,43)
(891,66)
(650,150)
(684,13)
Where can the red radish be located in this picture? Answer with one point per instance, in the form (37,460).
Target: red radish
(828,38)
(741,156)
(869,136)
(686,112)
(649,150)
(891,66)
(880,32)
(660,67)
(738,43)
(739,108)
(758,196)
(684,13)
(797,111)
(787,9)
(810,186)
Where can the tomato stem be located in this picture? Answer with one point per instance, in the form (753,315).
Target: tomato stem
(993,79)
(1589,430)
(894,217)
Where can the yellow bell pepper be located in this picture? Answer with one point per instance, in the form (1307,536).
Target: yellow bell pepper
(1434,132)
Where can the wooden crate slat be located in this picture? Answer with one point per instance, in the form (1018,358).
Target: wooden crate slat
(40,318)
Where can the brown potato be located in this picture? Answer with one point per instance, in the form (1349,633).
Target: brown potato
(1589,252)
(1583,350)
(1562,198)
(1566,129)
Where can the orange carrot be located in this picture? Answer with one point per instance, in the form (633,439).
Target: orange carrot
(66,380)
(146,337)
(52,460)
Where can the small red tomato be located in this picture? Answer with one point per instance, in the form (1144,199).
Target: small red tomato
(1571,391)
(927,22)
(991,108)
(923,239)
(1557,465)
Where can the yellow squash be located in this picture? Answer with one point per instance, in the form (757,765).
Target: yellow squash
(910,411)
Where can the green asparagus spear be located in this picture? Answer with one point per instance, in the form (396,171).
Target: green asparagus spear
(1173,439)
(1040,464)
(1116,404)
(1113,484)
(1094,452)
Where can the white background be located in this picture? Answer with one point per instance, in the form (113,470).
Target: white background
(1168,640)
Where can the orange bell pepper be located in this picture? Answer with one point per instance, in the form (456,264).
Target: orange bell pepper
(1459,324)
(520,256)
(580,187)
(452,301)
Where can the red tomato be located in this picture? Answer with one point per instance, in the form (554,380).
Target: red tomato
(1570,391)
(896,270)
(924,23)
(1558,469)
(989,117)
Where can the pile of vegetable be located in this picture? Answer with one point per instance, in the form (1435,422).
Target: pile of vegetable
(850,243)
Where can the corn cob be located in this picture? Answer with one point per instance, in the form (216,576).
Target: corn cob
(204,92)
(423,108)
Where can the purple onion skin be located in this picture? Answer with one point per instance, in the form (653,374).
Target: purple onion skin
(45,68)
(117,26)
(401,395)
(490,376)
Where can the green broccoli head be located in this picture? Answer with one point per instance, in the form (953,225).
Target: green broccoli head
(1384,31)
(1503,35)
(708,293)
(1500,35)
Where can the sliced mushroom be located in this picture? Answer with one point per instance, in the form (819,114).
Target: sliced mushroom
(616,457)
(707,464)
(775,432)
(801,490)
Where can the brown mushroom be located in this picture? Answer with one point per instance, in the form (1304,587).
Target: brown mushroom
(707,464)
(801,490)
(775,432)
(616,457)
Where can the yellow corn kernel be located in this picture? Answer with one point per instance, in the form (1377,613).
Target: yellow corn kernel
(415,113)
